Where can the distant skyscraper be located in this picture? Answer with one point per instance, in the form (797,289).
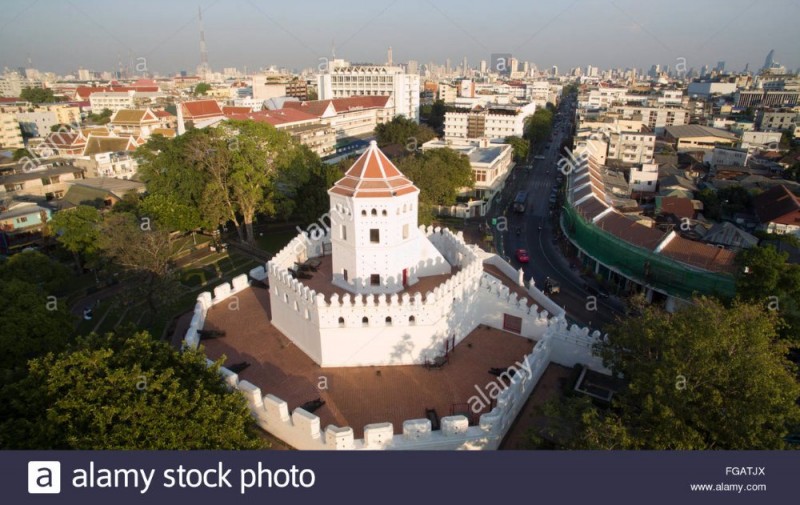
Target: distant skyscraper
(483,66)
(389,56)
(501,63)
(720,66)
(412,67)
(464,67)
(769,61)
(555,70)
(203,69)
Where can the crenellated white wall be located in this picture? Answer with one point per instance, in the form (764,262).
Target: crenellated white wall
(392,329)
(485,304)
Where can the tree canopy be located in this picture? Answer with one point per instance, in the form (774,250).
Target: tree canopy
(764,276)
(706,377)
(439,174)
(539,125)
(403,131)
(520,147)
(202,88)
(77,230)
(232,173)
(37,95)
(120,391)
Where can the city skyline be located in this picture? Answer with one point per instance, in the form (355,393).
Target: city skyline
(97,36)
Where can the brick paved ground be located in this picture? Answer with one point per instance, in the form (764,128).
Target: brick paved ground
(359,395)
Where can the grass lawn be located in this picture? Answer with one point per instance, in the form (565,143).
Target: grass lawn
(274,241)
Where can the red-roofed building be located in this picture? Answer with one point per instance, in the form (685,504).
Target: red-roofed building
(355,116)
(303,127)
(201,111)
(778,209)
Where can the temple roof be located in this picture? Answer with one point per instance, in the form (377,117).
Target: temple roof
(373,175)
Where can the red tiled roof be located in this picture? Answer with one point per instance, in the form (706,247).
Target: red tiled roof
(236,110)
(201,109)
(373,175)
(163,114)
(680,207)
(275,117)
(697,254)
(630,231)
(360,102)
(315,107)
(777,205)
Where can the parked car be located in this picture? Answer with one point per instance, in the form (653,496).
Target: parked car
(522,256)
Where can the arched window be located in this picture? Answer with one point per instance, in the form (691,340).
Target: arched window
(365,321)
(388,321)
(374,212)
(412,320)
(341,321)
(384,213)
(364,212)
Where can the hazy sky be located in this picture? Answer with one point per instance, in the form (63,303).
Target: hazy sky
(61,35)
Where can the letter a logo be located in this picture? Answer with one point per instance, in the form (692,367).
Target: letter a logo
(44,477)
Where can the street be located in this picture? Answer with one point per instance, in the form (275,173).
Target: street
(537,231)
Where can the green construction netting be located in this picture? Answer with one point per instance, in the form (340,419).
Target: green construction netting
(639,264)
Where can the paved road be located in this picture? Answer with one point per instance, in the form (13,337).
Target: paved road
(537,229)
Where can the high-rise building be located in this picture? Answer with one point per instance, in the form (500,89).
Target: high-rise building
(342,81)
(483,66)
(501,63)
(412,67)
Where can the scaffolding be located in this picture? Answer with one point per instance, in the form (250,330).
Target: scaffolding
(645,267)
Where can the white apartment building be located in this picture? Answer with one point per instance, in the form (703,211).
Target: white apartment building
(343,81)
(632,147)
(492,123)
(112,100)
(447,93)
(603,98)
(728,156)
(10,132)
(761,140)
(670,97)
(655,118)
(490,162)
(644,178)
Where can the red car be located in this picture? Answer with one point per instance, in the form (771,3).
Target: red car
(522,256)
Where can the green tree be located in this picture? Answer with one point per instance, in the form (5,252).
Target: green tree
(706,377)
(37,95)
(311,95)
(32,322)
(230,173)
(77,231)
(20,154)
(202,88)
(403,131)
(712,209)
(764,276)
(520,147)
(100,119)
(539,125)
(36,268)
(439,174)
(125,392)
(434,114)
(141,247)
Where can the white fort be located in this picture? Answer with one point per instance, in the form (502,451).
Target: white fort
(390,292)
(377,247)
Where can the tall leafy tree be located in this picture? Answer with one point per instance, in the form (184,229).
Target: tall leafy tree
(77,231)
(439,174)
(764,276)
(520,147)
(125,392)
(404,132)
(706,377)
(140,246)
